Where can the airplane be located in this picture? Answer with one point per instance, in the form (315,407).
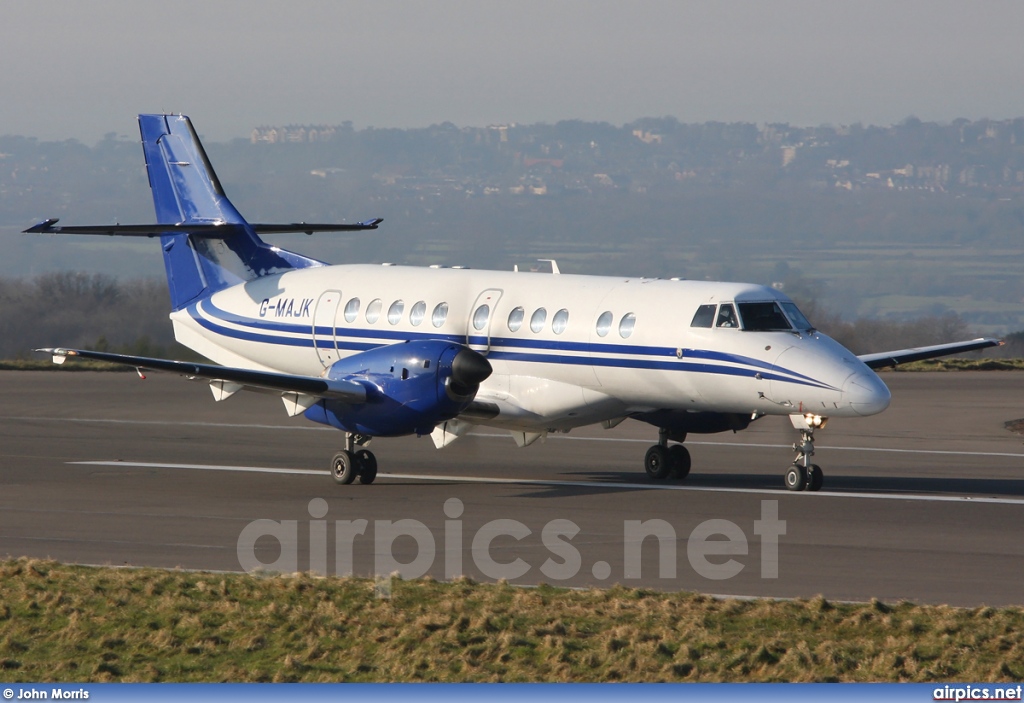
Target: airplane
(386,351)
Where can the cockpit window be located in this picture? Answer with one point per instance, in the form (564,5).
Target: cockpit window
(704,317)
(763,317)
(726,317)
(797,317)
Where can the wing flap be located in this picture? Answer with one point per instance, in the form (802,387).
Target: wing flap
(293,385)
(905,356)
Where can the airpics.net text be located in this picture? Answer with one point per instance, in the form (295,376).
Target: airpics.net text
(711,548)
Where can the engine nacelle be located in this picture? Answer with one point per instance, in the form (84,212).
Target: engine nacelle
(410,388)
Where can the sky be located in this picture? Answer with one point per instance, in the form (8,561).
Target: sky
(84,69)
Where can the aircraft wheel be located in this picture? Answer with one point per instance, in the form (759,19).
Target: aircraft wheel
(679,459)
(816,478)
(367,464)
(343,468)
(657,462)
(796,478)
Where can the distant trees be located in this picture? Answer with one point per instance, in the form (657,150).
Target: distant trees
(866,335)
(75,309)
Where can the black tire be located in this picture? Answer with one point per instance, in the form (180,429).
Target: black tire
(796,478)
(657,462)
(366,462)
(343,468)
(816,479)
(679,459)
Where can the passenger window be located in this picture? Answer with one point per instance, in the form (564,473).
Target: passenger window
(439,315)
(515,319)
(352,310)
(395,312)
(626,325)
(373,310)
(540,316)
(604,324)
(726,317)
(480,317)
(559,321)
(704,317)
(416,315)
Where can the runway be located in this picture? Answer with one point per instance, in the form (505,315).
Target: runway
(924,502)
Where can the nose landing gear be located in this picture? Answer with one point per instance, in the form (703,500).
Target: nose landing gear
(803,475)
(662,460)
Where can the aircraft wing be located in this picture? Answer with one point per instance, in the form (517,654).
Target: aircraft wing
(230,379)
(905,356)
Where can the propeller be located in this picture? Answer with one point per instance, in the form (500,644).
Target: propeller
(469,370)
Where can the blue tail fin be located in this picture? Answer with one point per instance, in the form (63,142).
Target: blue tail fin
(216,248)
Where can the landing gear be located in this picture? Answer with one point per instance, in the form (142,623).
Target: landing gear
(656,462)
(350,463)
(679,458)
(343,468)
(367,464)
(662,461)
(796,478)
(816,478)
(803,475)
(800,479)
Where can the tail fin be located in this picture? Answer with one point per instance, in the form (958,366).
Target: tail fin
(207,245)
(216,248)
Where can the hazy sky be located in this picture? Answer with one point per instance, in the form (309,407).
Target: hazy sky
(82,69)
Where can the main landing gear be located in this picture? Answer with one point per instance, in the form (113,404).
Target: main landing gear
(663,460)
(803,475)
(350,462)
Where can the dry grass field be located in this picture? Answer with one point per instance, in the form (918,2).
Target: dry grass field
(84,624)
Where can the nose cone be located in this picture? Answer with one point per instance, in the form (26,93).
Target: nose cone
(470,368)
(865,393)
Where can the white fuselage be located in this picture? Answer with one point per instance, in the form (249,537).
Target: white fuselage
(606,347)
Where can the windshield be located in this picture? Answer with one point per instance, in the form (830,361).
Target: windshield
(763,317)
(797,317)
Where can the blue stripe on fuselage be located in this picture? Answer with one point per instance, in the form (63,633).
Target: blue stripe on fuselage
(346,339)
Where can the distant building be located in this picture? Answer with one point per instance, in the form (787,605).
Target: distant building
(647,137)
(294,134)
(788,155)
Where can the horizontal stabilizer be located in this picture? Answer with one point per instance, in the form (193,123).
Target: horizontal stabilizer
(346,391)
(211,229)
(905,356)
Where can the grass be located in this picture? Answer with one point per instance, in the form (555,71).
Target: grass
(86,624)
(48,365)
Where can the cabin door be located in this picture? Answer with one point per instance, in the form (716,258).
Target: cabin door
(323,327)
(478,327)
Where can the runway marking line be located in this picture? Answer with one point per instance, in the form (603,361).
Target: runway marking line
(562,484)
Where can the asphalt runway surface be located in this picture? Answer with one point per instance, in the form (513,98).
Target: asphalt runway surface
(924,502)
